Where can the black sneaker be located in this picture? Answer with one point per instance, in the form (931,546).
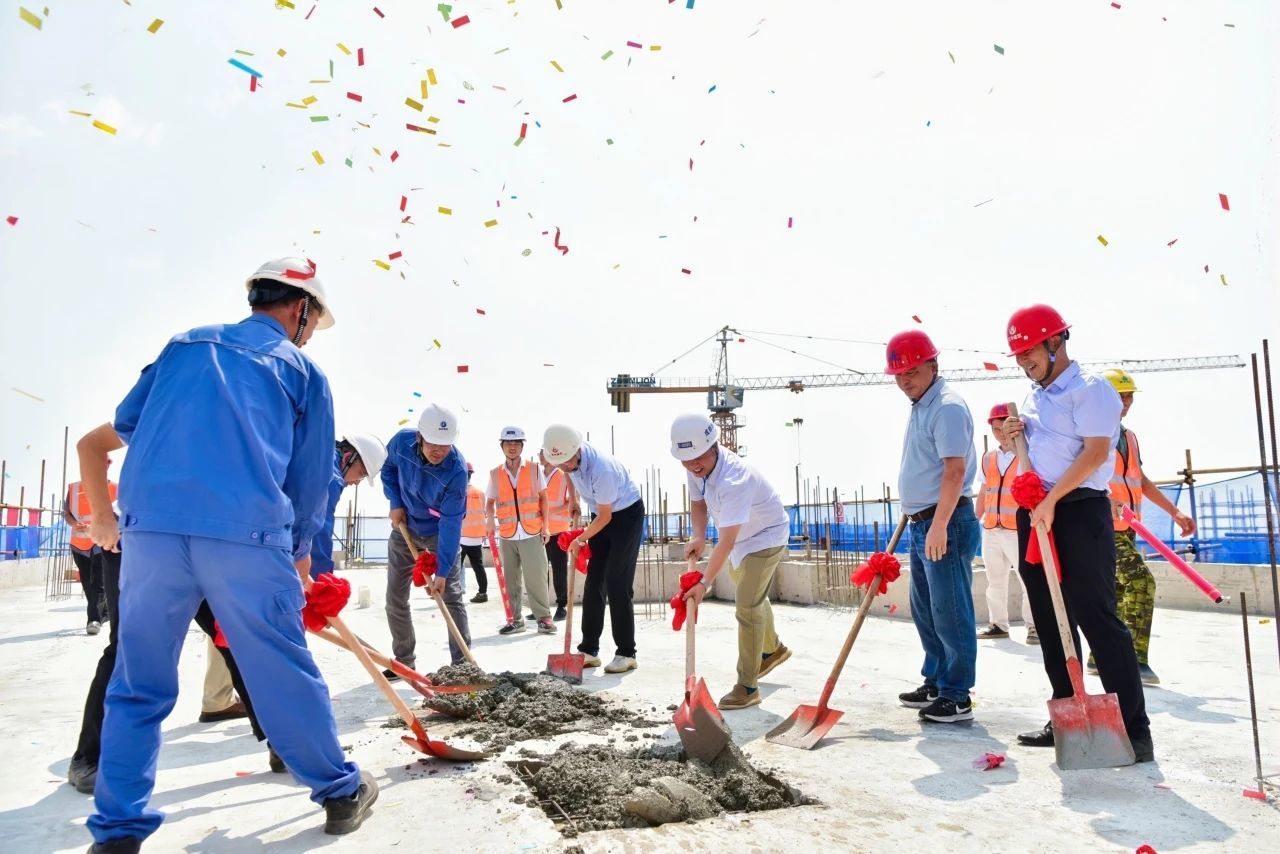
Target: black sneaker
(947,711)
(1143,749)
(512,628)
(560,613)
(344,815)
(993,632)
(82,774)
(1042,737)
(920,698)
(480,597)
(274,760)
(122,845)
(391,675)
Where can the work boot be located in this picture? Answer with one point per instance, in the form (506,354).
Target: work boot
(274,760)
(93,627)
(82,774)
(947,711)
(390,675)
(1037,737)
(741,697)
(512,628)
(480,597)
(1033,637)
(993,632)
(773,659)
(546,626)
(119,845)
(1148,675)
(344,815)
(621,664)
(589,660)
(235,710)
(560,613)
(920,698)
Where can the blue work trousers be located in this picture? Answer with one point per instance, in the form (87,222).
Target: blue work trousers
(942,605)
(257,596)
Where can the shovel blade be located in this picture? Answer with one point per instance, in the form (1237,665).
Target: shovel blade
(1088,730)
(805,728)
(567,667)
(699,723)
(454,754)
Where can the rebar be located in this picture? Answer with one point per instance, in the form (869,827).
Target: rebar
(1267,489)
(1253,703)
(1266,497)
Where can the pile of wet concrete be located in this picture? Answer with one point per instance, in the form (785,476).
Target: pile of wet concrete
(598,788)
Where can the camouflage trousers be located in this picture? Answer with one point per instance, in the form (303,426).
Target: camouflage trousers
(1135,592)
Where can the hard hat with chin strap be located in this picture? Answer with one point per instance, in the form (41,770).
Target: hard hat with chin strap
(371,451)
(559,443)
(692,436)
(438,425)
(295,273)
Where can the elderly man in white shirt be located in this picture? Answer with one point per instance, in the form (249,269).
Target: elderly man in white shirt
(753,528)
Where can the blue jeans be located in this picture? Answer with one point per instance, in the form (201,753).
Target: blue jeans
(942,605)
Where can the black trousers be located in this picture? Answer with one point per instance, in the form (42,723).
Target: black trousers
(475,554)
(89,745)
(611,573)
(1083,533)
(90,569)
(559,560)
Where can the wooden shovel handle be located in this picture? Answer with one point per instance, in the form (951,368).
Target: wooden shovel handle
(444,611)
(568,613)
(1046,552)
(378,679)
(858,620)
(690,621)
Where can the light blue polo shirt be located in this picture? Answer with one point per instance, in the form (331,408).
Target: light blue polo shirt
(940,426)
(603,480)
(1078,405)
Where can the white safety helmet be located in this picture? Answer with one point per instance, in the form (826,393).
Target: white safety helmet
(372,453)
(298,273)
(438,425)
(511,434)
(692,435)
(560,442)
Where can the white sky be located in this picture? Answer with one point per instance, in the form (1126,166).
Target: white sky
(849,117)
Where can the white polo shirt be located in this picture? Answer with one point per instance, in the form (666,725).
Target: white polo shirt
(736,494)
(491,494)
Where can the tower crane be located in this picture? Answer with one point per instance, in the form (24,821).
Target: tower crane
(725,394)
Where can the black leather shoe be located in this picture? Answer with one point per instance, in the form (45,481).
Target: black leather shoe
(1037,737)
(123,845)
(82,774)
(274,760)
(1143,749)
(344,815)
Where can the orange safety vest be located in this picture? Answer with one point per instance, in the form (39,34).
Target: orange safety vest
(78,504)
(473,522)
(518,505)
(557,502)
(1126,480)
(999,510)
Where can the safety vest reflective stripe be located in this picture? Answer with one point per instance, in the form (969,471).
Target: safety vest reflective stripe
(1126,480)
(78,505)
(557,502)
(519,505)
(473,522)
(999,510)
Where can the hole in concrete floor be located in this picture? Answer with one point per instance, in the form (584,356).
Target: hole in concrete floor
(598,788)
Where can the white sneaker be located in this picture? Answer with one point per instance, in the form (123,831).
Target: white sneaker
(590,660)
(93,628)
(620,664)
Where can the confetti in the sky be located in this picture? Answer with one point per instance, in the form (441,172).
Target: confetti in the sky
(446,211)
(1222,200)
(990,366)
(458,22)
(27,394)
(490,223)
(607,54)
(1171,242)
(378,12)
(238,64)
(380,263)
(480,311)
(402,422)
(12,220)
(318,158)
(916,318)
(359,56)
(31,18)
(394,255)
(155,25)
(1102,240)
(999,50)
(570,98)
(790,220)
(1223,277)
(462,369)
(104,127)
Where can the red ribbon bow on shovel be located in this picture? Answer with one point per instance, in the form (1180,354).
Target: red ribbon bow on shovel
(423,568)
(882,564)
(584,554)
(1028,490)
(687,580)
(326,598)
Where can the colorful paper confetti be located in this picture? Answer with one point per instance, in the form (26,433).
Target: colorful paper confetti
(404,200)
(359,56)
(490,223)
(999,50)
(318,158)
(31,18)
(1223,277)
(789,222)
(1171,242)
(988,761)
(1222,200)
(445,211)
(686,271)
(570,98)
(27,394)
(564,249)
(402,422)
(378,12)
(352,96)
(458,22)
(1102,240)
(12,220)
(155,25)
(238,64)
(104,127)
(393,256)
(462,369)
(380,263)
(409,102)
(480,311)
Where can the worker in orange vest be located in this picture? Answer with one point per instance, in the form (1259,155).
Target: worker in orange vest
(562,514)
(1135,585)
(87,556)
(472,540)
(998,513)
(516,509)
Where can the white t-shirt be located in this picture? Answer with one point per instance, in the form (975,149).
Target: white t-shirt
(736,494)
(491,494)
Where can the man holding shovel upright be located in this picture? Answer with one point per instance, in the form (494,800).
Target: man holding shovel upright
(1071,420)
(753,528)
(938,467)
(425,479)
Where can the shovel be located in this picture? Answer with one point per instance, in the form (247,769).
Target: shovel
(702,729)
(808,724)
(419,741)
(444,612)
(502,578)
(422,684)
(1088,731)
(569,665)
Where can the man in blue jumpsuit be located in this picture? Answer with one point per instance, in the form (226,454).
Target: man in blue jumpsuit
(425,479)
(358,456)
(230,433)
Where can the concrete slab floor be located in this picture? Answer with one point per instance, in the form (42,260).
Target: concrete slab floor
(886,781)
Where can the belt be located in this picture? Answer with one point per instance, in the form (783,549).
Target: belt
(927,513)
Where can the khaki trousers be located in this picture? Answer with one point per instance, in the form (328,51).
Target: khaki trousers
(524,565)
(218,694)
(756,636)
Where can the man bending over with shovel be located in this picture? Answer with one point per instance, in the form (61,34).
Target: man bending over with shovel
(753,528)
(1071,420)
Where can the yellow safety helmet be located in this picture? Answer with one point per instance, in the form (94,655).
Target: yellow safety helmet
(1121,380)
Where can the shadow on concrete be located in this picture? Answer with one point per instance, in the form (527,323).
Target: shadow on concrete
(1188,708)
(954,748)
(59,633)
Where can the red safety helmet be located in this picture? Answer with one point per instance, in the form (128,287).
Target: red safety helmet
(1034,325)
(999,412)
(906,350)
